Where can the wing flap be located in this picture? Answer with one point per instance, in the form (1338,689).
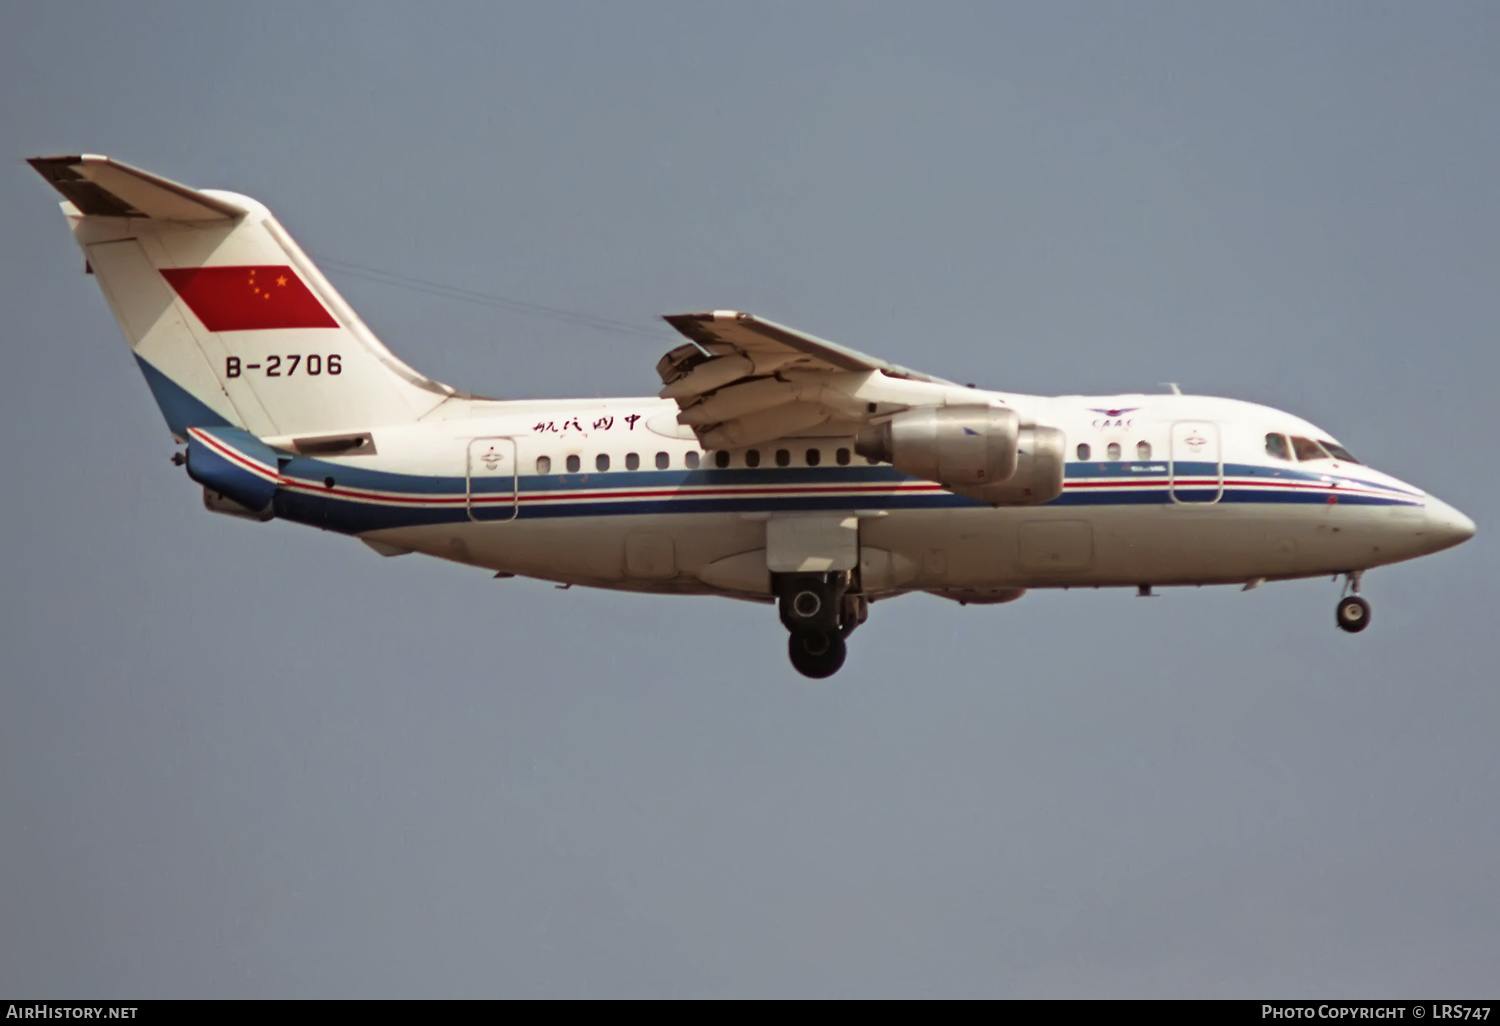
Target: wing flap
(724,332)
(743,380)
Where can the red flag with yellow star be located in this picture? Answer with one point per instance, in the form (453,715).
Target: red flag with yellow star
(248,298)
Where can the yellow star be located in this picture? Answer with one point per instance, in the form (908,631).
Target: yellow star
(281,281)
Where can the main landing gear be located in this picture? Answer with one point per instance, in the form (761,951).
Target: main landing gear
(820,611)
(1353,612)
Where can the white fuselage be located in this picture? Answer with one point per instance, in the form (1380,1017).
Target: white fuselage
(1160,490)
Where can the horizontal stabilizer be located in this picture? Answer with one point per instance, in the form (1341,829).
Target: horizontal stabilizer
(100,187)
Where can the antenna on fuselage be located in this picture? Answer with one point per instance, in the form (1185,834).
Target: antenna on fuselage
(1172,385)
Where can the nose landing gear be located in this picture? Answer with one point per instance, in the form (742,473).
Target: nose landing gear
(1353,614)
(819,611)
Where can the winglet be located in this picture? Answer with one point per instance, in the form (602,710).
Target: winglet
(100,187)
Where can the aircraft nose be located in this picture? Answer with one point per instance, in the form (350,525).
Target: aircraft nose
(1446,525)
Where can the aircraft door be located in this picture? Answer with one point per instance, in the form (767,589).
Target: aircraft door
(1197,464)
(490,489)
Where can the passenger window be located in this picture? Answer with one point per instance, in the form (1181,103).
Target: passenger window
(663,461)
(1084,452)
(601,461)
(1114,450)
(1306,449)
(1143,450)
(632,461)
(814,457)
(842,457)
(573,464)
(544,464)
(721,459)
(752,457)
(783,458)
(1276,446)
(691,459)
(1338,451)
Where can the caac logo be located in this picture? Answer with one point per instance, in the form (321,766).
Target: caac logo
(1114,418)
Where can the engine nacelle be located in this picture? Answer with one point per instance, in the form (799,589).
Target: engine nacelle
(980,451)
(959,447)
(1040,465)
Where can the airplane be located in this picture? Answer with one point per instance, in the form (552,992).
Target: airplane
(772,466)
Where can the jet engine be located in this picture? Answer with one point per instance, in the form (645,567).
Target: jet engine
(984,452)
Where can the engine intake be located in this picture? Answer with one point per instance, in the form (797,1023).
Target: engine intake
(980,451)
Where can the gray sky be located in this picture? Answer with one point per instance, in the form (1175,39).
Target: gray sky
(246,760)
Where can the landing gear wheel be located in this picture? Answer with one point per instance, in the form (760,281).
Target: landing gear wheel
(1353,614)
(816,654)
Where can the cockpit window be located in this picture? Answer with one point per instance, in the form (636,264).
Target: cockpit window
(1276,446)
(1338,451)
(1307,449)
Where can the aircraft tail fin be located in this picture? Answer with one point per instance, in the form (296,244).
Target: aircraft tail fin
(229,320)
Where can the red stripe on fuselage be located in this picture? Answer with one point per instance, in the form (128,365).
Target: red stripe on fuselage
(259,469)
(729,491)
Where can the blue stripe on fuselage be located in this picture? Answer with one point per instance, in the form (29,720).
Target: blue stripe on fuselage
(1145,474)
(1115,486)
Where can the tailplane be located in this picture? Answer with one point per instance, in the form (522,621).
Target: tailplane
(230,322)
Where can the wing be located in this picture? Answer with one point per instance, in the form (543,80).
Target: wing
(744,380)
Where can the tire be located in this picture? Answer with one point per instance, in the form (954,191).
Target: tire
(1353,614)
(817,654)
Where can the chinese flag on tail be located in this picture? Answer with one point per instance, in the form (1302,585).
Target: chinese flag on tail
(248,298)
